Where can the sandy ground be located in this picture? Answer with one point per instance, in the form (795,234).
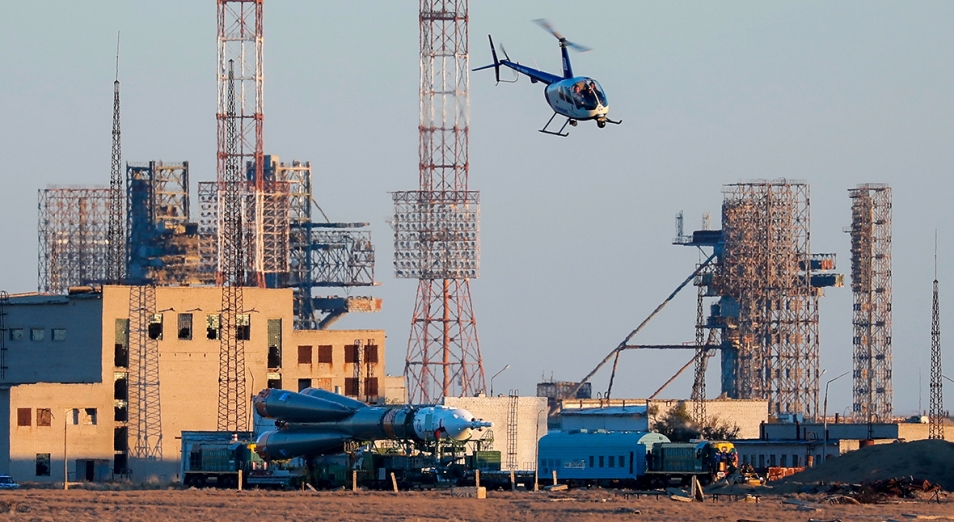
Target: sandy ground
(577,505)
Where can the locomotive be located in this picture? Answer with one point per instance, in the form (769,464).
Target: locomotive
(632,458)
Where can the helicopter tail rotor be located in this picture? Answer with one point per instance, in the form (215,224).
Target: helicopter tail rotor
(548,27)
(496,64)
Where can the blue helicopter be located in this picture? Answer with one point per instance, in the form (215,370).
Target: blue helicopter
(577,98)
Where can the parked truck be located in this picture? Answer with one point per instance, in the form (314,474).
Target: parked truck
(223,459)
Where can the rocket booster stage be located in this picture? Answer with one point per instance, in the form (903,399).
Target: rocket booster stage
(316,421)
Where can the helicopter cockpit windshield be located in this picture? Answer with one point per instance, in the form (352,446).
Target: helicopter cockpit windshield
(587,94)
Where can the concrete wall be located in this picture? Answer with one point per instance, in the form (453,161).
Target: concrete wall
(188,373)
(852,431)
(72,356)
(748,414)
(531,424)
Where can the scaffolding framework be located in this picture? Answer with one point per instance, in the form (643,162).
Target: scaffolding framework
(163,246)
(871,294)
(436,228)
(765,273)
(73,237)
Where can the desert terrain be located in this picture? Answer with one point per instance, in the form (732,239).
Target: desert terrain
(577,505)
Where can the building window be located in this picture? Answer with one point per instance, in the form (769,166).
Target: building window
(74,417)
(274,382)
(324,354)
(121,355)
(304,383)
(274,357)
(155,327)
(44,417)
(351,386)
(243,328)
(323,383)
(761,461)
(185,327)
(16,334)
(59,334)
(90,417)
(304,355)
(371,387)
(121,386)
(784,461)
(772,460)
(43,464)
(351,353)
(371,354)
(212,322)
(24,417)
(36,334)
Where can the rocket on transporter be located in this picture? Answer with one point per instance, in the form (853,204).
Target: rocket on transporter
(318,422)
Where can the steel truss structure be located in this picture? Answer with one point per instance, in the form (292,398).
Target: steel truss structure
(765,272)
(871,291)
(73,237)
(145,414)
(163,246)
(233,401)
(937,386)
(240,41)
(116,249)
(436,228)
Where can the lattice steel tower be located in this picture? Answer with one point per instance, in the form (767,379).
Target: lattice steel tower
(145,413)
(772,348)
(871,290)
(233,403)
(116,247)
(240,42)
(436,228)
(937,387)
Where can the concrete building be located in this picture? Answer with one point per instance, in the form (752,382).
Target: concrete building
(65,398)
(798,444)
(519,422)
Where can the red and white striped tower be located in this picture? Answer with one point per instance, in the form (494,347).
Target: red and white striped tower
(436,228)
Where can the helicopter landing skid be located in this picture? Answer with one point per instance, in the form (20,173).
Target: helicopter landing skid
(560,132)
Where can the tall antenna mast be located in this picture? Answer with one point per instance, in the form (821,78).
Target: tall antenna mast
(937,391)
(116,237)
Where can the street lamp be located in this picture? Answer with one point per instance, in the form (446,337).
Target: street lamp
(494,377)
(825,445)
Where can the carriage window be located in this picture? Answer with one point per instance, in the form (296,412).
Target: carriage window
(601,461)
(591,461)
(612,461)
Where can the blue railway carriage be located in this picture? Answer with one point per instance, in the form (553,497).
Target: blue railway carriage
(601,457)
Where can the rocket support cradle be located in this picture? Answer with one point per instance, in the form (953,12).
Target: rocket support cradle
(318,422)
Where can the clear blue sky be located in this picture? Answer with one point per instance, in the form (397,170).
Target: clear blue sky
(575,232)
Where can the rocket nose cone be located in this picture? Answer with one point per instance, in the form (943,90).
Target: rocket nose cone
(460,424)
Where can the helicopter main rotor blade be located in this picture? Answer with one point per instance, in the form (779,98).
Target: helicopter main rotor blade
(545,24)
(548,27)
